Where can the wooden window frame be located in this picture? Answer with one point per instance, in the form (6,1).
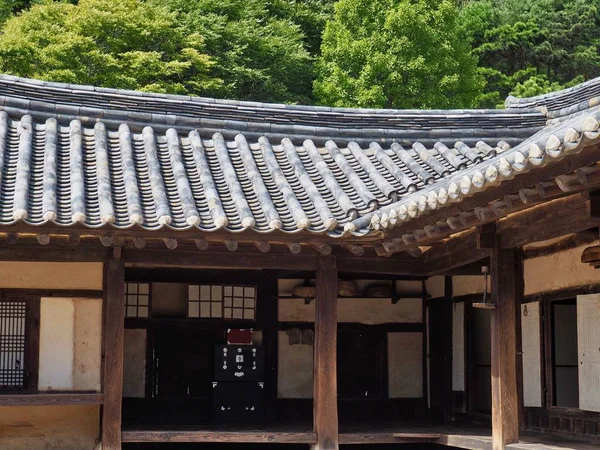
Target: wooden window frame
(223,307)
(32,340)
(137,306)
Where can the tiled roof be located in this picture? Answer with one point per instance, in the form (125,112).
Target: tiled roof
(560,103)
(110,158)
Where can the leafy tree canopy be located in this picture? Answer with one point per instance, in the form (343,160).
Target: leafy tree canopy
(396,54)
(258,49)
(529,47)
(123,44)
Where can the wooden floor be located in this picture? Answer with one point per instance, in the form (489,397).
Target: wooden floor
(467,437)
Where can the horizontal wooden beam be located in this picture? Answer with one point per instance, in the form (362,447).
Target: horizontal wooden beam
(220,436)
(53,399)
(272,260)
(543,222)
(567,243)
(52,253)
(563,294)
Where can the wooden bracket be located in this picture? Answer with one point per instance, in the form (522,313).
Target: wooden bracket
(593,204)
(487,236)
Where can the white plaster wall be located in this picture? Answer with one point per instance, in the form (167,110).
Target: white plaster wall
(87,350)
(49,427)
(134,363)
(532,363)
(557,271)
(468,284)
(169,300)
(405,365)
(70,344)
(294,369)
(356,310)
(435,286)
(41,275)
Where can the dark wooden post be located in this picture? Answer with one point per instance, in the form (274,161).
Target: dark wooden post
(114,301)
(325,413)
(505,403)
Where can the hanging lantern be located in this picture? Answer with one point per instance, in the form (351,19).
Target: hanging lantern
(487,303)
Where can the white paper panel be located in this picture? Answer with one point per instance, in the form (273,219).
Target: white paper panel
(532,372)
(458,347)
(405,365)
(56,344)
(588,343)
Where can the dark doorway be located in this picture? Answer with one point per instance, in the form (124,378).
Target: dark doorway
(181,374)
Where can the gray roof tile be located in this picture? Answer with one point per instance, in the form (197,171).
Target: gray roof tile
(99,156)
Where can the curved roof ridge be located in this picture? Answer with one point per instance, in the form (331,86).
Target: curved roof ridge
(560,103)
(42,99)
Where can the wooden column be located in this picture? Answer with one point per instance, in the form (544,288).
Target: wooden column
(114,321)
(325,413)
(505,266)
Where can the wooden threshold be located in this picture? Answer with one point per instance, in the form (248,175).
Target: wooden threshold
(241,436)
(54,399)
(389,438)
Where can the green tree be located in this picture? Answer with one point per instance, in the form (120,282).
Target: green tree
(123,44)
(529,47)
(396,54)
(258,49)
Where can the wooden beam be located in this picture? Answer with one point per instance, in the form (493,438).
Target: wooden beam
(548,221)
(114,321)
(242,259)
(325,414)
(567,243)
(543,222)
(53,399)
(221,436)
(505,403)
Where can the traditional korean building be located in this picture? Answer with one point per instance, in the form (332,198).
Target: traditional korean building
(182,269)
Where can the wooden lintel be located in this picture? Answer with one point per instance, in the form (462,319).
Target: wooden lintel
(114,315)
(52,399)
(325,412)
(506,270)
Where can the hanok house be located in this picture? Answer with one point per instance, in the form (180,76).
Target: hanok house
(179,269)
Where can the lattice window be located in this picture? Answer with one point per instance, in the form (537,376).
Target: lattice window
(18,345)
(222,301)
(137,300)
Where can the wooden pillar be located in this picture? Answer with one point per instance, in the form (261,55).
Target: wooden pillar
(114,300)
(325,413)
(505,266)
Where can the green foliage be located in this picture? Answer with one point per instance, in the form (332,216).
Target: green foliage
(258,50)
(396,54)
(532,46)
(123,44)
